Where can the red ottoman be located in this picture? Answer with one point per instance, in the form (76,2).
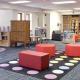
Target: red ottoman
(72,50)
(47,48)
(75,37)
(34,59)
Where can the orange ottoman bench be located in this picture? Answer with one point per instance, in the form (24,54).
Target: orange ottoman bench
(47,48)
(72,50)
(34,59)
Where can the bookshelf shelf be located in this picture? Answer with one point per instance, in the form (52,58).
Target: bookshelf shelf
(5,39)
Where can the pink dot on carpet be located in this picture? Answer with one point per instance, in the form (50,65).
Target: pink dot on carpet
(17,68)
(32,72)
(50,76)
(4,65)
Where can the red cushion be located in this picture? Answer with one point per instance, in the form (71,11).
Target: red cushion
(72,50)
(47,48)
(34,59)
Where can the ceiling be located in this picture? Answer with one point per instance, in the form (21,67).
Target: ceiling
(46,4)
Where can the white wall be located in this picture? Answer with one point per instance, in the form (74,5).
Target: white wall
(15,12)
(47,22)
(40,19)
(5,17)
(37,20)
(45,19)
(55,21)
(34,22)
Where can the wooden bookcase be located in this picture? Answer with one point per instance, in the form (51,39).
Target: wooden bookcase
(20,32)
(71,22)
(67,22)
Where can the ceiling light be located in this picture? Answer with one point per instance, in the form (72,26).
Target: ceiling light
(18,2)
(64,10)
(77,8)
(64,2)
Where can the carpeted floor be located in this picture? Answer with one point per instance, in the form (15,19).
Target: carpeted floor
(59,66)
(12,53)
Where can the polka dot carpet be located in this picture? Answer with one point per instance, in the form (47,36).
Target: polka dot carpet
(59,66)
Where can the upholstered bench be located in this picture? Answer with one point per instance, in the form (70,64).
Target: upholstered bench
(47,48)
(72,49)
(34,59)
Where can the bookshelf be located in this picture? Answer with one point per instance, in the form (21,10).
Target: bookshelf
(72,23)
(20,32)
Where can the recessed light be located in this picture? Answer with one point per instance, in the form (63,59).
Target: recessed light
(77,8)
(19,2)
(64,2)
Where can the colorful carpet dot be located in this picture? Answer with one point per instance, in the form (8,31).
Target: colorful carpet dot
(50,65)
(58,71)
(59,59)
(32,72)
(13,62)
(76,58)
(2,49)
(63,56)
(73,61)
(64,67)
(4,65)
(50,76)
(17,68)
(54,62)
(69,64)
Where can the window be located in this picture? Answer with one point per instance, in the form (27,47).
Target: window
(27,16)
(19,16)
(30,21)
